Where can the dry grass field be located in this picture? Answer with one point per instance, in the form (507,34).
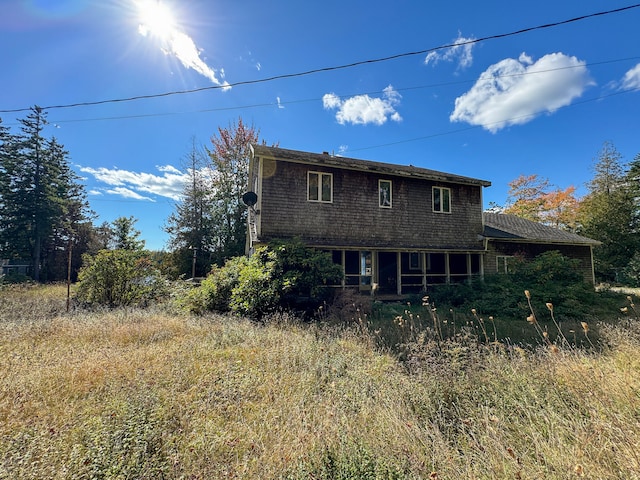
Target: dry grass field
(132,394)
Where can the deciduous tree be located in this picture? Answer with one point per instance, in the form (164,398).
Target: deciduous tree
(229,155)
(532,197)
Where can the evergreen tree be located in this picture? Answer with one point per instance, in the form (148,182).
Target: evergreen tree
(609,213)
(42,201)
(124,235)
(191,227)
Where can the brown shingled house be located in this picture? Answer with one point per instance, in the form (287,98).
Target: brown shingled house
(399,227)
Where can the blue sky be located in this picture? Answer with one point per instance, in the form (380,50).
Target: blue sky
(543,101)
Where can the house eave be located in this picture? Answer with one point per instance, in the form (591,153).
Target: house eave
(542,241)
(345,163)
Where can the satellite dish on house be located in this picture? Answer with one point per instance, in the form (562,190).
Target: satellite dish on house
(250,199)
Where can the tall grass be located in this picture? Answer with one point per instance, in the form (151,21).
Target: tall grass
(144,394)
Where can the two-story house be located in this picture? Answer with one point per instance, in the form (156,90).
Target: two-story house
(399,227)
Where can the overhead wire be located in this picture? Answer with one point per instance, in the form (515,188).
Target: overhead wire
(292,102)
(332,68)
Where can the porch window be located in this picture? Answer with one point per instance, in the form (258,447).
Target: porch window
(502,263)
(441,200)
(384,189)
(320,187)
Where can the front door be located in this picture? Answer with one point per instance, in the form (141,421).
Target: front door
(388,272)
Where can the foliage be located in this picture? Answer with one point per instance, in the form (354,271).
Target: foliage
(610,213)
(285,274)
(229,156)
(118,278)
(530,197)
(214,293)
(259,288)
(550,277)
(191,226)
(630,274)
(43,202)
(124,236)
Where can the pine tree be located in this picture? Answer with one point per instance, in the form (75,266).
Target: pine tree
(609,213)
(42,201)
(124,235)
(191,229)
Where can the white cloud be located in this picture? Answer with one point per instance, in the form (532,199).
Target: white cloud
(363,109)
(279,103)
(514,92)
(134,184)
(631,79)
(126,193)
(460,52)
(168,169)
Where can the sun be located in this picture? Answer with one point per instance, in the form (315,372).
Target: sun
(156,19)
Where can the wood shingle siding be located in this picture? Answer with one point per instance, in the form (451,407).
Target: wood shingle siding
(374,235)
(355,217)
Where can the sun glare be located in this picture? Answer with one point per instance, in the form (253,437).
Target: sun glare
(156,19)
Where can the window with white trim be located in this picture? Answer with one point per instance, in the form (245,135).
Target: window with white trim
(385,193)
(502,263)
(320,187)
(441,200)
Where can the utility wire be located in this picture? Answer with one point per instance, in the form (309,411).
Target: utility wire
(307,100)
(333,68)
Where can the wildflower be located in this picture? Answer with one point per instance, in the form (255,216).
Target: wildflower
(473,310)
(545,334)
(527,294)
(491,318)
(433,476)
(531,319)
(585,327)
(550,306)
(554,349)
(624,309)
(579,470)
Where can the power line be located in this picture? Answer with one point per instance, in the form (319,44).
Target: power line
(292,102)
(333,68)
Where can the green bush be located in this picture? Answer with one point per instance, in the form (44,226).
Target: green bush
(550,277)
(118,278)
(283,275)
(259,287)
(214,293)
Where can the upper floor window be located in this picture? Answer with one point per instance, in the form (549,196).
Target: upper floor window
(441,200)
(384,189)
(320,187)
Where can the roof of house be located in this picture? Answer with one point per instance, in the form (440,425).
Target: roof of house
(500,226)
(325,159)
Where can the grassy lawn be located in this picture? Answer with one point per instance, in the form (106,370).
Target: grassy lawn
(133,394)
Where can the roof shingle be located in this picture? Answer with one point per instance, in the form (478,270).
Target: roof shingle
(501,226)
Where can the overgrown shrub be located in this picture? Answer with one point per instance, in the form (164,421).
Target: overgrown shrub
(214,293)
(282,275)
(550,277)
(118,278)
